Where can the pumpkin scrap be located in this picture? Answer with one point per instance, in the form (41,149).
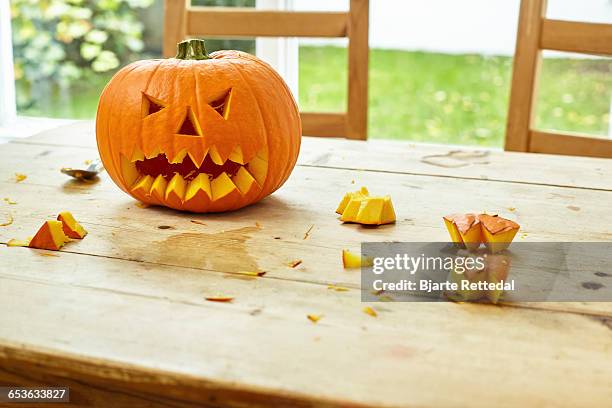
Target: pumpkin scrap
(470,230)
(50,236)
(498,232)
(253,273)
(219,298)
(9,221)
(359,207)
(307,233)
(314,318)
(9,201)
(464,230)
(18,242)
(352,260)
(338,288)
(19,177)
(295,263)
(198,132)
(369,311)
(71,227)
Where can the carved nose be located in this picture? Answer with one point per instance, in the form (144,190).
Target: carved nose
(190,125)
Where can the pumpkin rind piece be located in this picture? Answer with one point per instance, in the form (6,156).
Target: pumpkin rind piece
(370,211)
(498,232)
(71,227)
(363,192)
(388,214)
(352,260)
(50,236)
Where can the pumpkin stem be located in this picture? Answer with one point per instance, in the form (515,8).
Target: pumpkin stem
(193,49)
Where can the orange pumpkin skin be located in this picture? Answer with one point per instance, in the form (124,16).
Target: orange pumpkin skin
(229,117)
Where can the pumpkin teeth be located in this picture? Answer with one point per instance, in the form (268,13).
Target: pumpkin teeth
(194,188)
(236,156)
(215,156)
(158,188)
(222,186)
(128,171)
(143,186)
(179,157)
(200,183)
(153,153)
(137,155)
(197,161)
(244,181)
(175,191)
(258,168)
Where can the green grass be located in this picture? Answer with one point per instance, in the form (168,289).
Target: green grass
(438,98)
(458,99)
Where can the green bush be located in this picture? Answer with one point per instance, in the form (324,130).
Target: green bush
(60,42)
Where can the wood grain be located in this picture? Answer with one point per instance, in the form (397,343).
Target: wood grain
(174,25)
(324,124)
(525,74)
(536,33)
(569,144)
(573,36)
(121,316)
(248,22)
(183,20)
(358,63)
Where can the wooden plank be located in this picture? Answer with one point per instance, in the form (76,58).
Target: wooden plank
(174,25)
(527,61)
(262,350)
(569,144)
(268,236)
(399,157)
(573,36)
(358,63)
(248,22)
(323,124)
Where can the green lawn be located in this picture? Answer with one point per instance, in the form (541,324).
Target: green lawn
(458,99)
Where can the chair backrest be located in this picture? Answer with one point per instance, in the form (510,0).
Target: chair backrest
(537,33)
(182,20)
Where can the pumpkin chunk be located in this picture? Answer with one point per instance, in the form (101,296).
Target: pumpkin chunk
(470,230)
(498,232)
(360,208)
(70,226)
(50,236)
(352,260)
(465,230)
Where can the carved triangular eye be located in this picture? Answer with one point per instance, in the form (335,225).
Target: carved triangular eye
(151,105)
(190,125)
(222,104)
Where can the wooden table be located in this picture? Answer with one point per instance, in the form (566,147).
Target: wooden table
(121,316)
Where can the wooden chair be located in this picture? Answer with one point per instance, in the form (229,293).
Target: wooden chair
(183,20)
(536,33)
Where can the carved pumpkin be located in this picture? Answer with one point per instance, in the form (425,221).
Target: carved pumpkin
(198,132)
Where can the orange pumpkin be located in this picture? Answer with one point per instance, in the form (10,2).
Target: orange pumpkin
(198,132)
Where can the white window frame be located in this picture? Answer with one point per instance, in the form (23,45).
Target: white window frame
(8,110)
(281,53)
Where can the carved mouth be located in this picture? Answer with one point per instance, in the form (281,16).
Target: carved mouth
(180,181)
